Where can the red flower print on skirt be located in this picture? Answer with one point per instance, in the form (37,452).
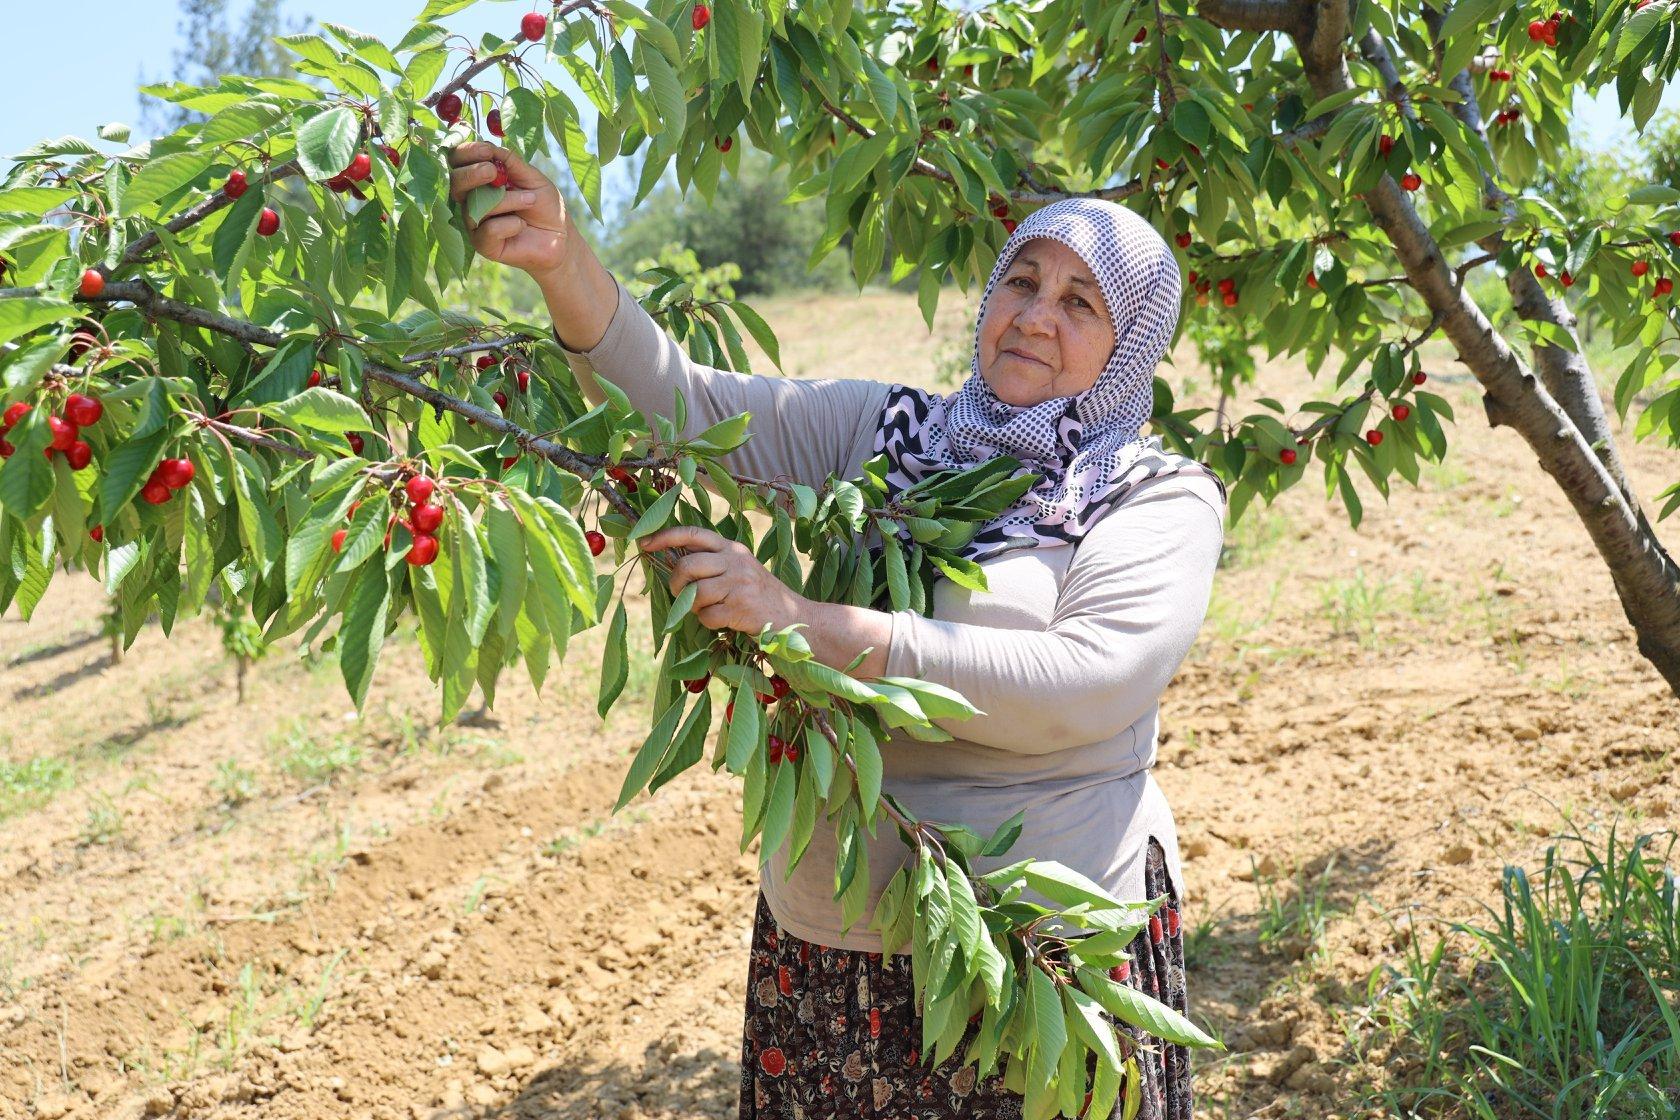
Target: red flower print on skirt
(773,1061)
(784,980)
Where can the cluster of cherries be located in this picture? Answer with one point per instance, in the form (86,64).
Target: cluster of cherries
(167,477)
(1201,285)
(780,749)
(423,522)
(1372,436)
(1545,30)
(532,26)
(79,412)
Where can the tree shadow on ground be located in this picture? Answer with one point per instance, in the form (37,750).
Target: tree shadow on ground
(703,1083)
(74,642)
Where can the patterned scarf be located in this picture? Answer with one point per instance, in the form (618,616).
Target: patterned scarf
(1086,447)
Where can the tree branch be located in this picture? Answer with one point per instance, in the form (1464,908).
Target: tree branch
(1293,17)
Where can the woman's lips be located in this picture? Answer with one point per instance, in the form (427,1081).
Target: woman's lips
(1028,358)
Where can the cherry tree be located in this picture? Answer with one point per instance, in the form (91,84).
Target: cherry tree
(233,363)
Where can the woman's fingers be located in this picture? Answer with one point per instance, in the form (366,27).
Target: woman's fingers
(697,566)
(475,151)
(464,178)
(493,233)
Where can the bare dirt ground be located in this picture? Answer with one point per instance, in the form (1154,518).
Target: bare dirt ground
(279,909)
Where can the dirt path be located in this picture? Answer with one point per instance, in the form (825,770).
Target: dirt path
(278,910)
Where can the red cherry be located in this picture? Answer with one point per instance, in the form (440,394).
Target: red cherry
(1312,279)
(493,122)
(82,411)
(933,65)
(1183,240)
(1640,268)
(1385,144)
(508,461)
(419,490)
(1249,105)
(449,108)
(93,283)
(1674,236)
(791,752)
(338,184)
(597,544)
(391,154)
(1411,181)
(1009,225)
(1000,210)
(360,167)
(426,519)
(777,747)
(356,443)
(621,476)
(1192,277)
(501,179)
(79,455)
(175,473)
(1161,163)
(97,533)
(314,378)
(1227,284)
(700,17)
(237,184)
(423,551)
(1536,30)
(1373,437)
(64,433)
(724,143)
(728,709)
(338,539)
(1565,279)
(501,399)
(779,686)
(6,448)
(269,223)
(946,124)
(14,413)
(1230,299)
(1401,411)
(1142,34)
(522,378)
(155,492)
(1194,150)
(1287,456)
(533,25)
(485,361)
(1419,377)
(1664,285)
(698,684)
(1540,270)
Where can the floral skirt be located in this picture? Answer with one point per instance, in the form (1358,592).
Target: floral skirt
(831,1034)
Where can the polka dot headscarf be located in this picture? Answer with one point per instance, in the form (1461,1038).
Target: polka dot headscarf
(1087,447)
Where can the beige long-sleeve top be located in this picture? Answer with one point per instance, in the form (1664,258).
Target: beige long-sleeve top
(1067,653)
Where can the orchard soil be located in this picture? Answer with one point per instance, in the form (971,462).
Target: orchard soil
(279,909)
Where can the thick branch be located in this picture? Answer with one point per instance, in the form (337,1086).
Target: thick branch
(1293,17)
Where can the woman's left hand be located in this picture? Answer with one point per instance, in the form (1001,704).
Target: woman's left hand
(733,590)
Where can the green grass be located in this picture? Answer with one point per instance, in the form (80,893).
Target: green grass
(33,782)
(311,760)
(1564,1003)
(1293,919)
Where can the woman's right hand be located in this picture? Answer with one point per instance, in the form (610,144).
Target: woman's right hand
(528,228)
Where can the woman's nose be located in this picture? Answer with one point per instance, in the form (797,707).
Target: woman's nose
(1037,317)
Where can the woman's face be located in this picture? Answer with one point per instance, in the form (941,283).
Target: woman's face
(1045,331)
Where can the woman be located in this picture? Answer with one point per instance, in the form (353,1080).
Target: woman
(1099,579)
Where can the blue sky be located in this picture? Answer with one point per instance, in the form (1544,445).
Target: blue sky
(75,87)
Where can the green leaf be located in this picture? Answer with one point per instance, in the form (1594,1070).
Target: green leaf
(745,729)
(26,478)
(320,410)
(22,314)
(680,606)
(760,331)
(1133,1007)
(325,142)
(867,756)
(656,515)
(898,578)
(164,174)
(126,469)
(650,755)
(615,664)
(778,815)
(481,200)
(231,244)
(362,634)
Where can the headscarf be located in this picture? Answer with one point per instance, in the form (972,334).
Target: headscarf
(1086,446)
